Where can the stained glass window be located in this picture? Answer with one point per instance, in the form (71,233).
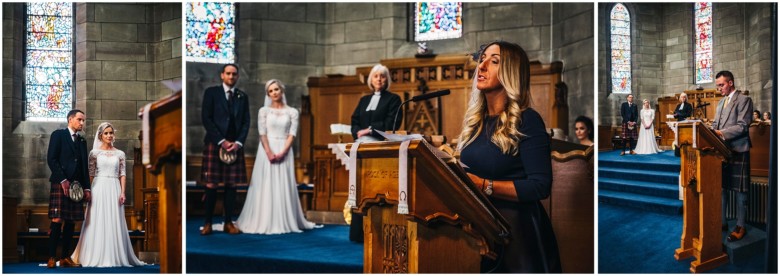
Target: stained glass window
(438,20)
(49,61)
(703,47)
(211,32)
(620,35)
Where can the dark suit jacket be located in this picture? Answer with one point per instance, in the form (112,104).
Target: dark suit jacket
(686,112)
(379,119)
(629,114)
(66,157)
(215,114)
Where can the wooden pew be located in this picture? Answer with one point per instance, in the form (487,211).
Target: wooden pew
(570,205)
(759,153)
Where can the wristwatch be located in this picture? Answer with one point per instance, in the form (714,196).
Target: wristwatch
(489,189)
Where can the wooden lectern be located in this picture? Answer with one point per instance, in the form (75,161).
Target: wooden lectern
(450,224)
(702,157)
(161,151)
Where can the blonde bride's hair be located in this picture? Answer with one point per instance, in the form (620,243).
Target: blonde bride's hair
(514,74)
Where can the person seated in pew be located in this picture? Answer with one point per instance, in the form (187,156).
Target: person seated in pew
(757,116)
(768,118)
(506,151)
(583,129)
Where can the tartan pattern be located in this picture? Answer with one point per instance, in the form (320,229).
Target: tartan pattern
(60,206)
(736,173)
(214,171)
(630,133)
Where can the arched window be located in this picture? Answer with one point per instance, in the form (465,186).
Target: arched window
(211,32)
(620,41)
(703,48)
(49,61)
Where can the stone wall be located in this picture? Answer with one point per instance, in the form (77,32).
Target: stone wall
(572,44)
(294,41)
(663,52)
(758,51)
(123,51)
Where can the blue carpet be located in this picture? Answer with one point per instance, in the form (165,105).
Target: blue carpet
(323,250)
(648,182)
(34,268)
(636,241)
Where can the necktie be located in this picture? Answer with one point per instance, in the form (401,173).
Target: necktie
(74,137)
(726,102)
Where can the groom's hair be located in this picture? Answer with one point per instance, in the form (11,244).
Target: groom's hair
(73,112)
(226,66)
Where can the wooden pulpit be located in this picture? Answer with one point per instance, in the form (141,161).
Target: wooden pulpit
(161,155)
(702,157)
(450,224)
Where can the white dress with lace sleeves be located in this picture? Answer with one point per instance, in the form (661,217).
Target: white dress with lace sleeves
(645,143)
(272,205)
(105,240)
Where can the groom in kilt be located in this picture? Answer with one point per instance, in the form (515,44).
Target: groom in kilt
(225,115)
(630,114)
(67,160)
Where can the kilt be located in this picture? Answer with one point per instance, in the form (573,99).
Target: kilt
(214,171)
(630,133)
(60,206)
(736,173)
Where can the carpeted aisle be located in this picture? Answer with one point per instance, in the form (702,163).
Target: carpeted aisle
(636,241)
(323,250)
(35,268)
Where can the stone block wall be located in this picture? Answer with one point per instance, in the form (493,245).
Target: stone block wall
(758,52)
(663,52)
(294,41)
(572,43)
(122,52)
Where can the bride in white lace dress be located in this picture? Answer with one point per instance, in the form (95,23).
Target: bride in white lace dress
(104,240)
(646,144)
(272,205)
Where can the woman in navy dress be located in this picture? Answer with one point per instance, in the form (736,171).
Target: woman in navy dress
(507,153)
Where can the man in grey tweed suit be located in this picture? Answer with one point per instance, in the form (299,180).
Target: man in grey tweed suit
(732,121)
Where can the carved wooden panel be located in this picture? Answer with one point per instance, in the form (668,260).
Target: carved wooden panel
(394,259)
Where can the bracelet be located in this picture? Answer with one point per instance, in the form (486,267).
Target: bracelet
(489,189)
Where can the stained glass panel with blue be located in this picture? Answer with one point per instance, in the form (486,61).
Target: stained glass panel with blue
(703,42)
(438,20)
(211,32)
(49,61)
(620,38)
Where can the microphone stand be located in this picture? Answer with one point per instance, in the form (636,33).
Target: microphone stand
(397,111)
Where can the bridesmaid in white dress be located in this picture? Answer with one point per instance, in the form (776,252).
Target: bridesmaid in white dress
(104,240)
(646,142)
(272,205)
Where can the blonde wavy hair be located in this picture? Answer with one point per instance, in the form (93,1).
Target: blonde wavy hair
(514,74)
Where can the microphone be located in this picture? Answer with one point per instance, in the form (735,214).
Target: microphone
(417,99)
(430,95)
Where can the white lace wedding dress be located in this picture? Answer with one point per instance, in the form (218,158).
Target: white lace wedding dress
(104,240)
(645,143)
(272,205)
